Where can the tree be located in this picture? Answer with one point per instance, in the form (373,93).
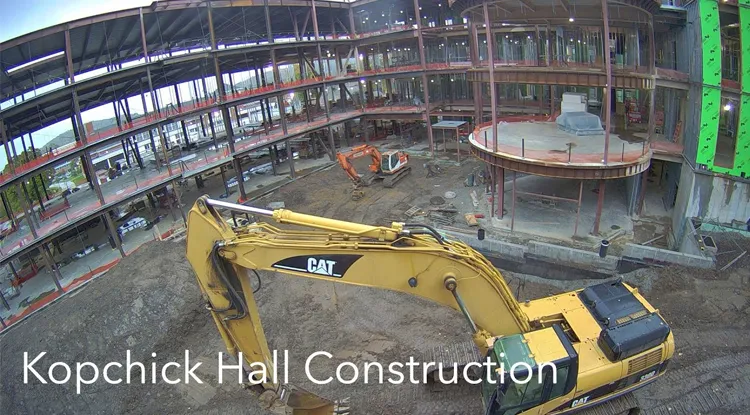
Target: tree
(33,186)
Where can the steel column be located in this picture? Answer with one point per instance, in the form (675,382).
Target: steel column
(28,214)
(49,259)
(642,194)
(113,233)
(491,59)
(296,26)
(272,156)
(513,205)
(282,113)
(331,143)
(500,175)
(599,206)
(290,157)
(69,57)
(352,32)
(652,71)
(578,211)
(223,108)
(4,137)
(267,12)
(159,131)
(143,37)
(324,87)
(608,91)
(425,85)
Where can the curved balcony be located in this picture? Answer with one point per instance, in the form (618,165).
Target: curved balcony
(535,145)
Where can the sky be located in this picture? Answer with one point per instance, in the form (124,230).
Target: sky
(18,18)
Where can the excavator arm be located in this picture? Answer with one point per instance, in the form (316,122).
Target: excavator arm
(345,160)
(412,259)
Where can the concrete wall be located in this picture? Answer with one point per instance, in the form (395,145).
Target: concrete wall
(571,256)
(718,199)
(663,256)
(504,249)
(537,250)
(711,198)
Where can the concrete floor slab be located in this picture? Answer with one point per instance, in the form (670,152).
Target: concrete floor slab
(545,142)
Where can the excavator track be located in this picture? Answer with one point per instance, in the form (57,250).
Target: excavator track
(622,405)
(391,180)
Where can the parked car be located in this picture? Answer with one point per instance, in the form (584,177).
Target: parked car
(131,224)
(11,291)
(87,250)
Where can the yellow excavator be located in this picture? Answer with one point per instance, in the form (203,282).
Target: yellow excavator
(604,341)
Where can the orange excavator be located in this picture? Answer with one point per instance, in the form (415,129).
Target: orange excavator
(390,166)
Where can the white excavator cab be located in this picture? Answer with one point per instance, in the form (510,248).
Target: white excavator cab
(393,161)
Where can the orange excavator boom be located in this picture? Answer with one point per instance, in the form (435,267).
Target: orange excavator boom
(345,160)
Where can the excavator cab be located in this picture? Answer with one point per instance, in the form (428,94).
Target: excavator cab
(393,161)
(532,382)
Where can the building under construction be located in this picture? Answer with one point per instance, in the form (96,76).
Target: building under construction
(611,109)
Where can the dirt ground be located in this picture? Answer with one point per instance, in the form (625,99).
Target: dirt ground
(149,303)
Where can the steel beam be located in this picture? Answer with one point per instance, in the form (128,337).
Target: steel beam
(564,171)
(536,75)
